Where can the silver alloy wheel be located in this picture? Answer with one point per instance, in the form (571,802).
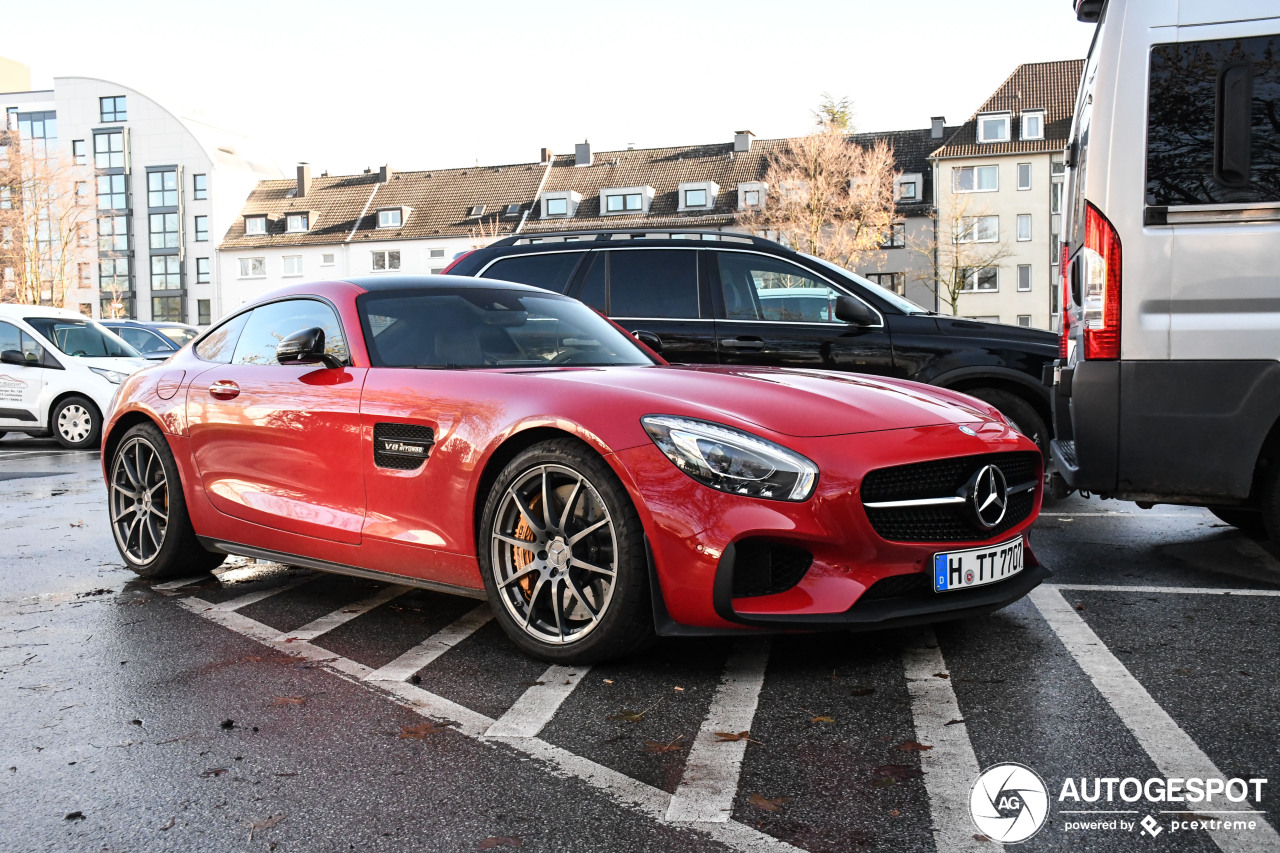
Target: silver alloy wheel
(139,500)
(554,554)
(75,422)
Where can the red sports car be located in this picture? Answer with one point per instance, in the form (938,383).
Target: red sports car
(501,441)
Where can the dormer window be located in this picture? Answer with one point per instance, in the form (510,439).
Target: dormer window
(255,225)
(615,200)
(907,191)
(1033,124)
(297,222)
(751,194)
(698,196)
(560,204)
(695,198)
(390,217)
(907,187)
(557,207)
(475,211)
(994,127)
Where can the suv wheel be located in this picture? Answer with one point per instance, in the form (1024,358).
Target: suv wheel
(1022,414)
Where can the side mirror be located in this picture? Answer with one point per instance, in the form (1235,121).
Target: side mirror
(305,347)
(854,311)
(12,356)
(649,339)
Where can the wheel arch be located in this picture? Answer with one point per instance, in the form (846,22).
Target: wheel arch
(57,401)
(1034,394)
(123,424)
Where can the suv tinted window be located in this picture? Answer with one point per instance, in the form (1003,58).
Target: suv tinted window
(272,323)
(551,271)
(756,287)
(1199,94)
(220,344)
(653,283)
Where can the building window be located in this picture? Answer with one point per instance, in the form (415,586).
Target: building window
(895,237)
(162,188)
(1024,227)
(293,265)
(894,281)
(1024,176)
(978,229)
(1033,124)
(113,275)
(202,270)
(86,274)
(907,191)
(112,192)
(203,314)
(993,127)
(108,150)
(78,152)
(557,207)
(6,197)
(164,230)
(1057,166)
(511,210)
(296,222)
(326,260)
(199,187)
(623,202)
(983,280)
(113,109)
(40,131)
(751,198)
(1024,320)
(166,272)
(694,198)
(167,309)
(390,218)
(255,225)
(1055,197)
(86,308)
(386,261)
(113,233)
(82,194)
(436,253)
(1024,277)
(971,179)
(202,229)
(253,267)
(475,210)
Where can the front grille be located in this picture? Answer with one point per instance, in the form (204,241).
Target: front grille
(945,478)
(411,434)
(767,568)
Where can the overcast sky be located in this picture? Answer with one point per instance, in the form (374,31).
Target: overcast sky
(429,84)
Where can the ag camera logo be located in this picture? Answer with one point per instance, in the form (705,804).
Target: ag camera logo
(1009,803)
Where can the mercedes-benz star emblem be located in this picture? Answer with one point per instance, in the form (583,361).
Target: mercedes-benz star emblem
(988,496)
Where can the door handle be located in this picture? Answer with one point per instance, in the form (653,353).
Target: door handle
(742,343)
(224,389)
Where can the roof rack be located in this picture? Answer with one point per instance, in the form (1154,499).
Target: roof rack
(600,235)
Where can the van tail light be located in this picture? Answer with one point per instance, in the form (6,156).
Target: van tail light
(1064,304)
(1100,313)
(454,262)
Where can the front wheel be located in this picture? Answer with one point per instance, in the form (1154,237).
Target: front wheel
(1021,414)
(76,423)
(562,554)
(149,518)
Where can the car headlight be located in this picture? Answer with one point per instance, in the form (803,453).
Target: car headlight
(115,377)
(731,460)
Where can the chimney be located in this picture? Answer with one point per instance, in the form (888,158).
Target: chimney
(304,179)
(742,140)
(938,123)
(384,174)
(545,155)
(582,153)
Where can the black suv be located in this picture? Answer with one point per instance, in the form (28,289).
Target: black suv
(710,297)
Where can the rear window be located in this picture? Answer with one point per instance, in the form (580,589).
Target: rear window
(1213,133)
(550,271)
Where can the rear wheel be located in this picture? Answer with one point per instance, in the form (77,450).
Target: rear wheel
(562,554)
(1021,414)
(1246,520)
(76,423)
(149,518)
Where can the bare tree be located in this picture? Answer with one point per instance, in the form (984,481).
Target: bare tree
(46,221)
(962,253)
(827,196)
(485,231)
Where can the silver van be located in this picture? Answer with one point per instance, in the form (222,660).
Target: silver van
(1168,388)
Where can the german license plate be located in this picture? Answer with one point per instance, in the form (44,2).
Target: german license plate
(976,566)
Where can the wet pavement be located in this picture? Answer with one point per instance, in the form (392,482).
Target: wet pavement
(269,708)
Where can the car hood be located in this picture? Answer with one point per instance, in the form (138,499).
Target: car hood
(122,365)
(789,401)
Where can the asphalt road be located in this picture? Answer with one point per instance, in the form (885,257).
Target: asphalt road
(270,708)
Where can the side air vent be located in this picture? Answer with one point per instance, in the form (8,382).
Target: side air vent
(403,447)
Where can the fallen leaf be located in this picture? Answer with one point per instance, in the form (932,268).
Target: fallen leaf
(942,675)
(633,716)
(823,718)
(770,804)
(216,771)
(168,826)
(78,524)
(76,815)
(953,722)
(1081,607)
(913,746)
(861,691)
(608,681)
(899,772)
(420,732)
(500,841)
(135,722)
(265,823)
(727,737)
(227,724)
(289,700)
(680,689)
(894,813)
(977,836)
(657,747)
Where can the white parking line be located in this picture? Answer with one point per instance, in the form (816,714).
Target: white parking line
(1176,590)
(432,647)
(1171,748)
(1143,514)
(537,705)
(950,767)
(169,586)
(332,620)
(710,779)
(258,595)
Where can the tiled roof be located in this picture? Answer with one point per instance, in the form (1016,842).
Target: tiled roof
(1048,86)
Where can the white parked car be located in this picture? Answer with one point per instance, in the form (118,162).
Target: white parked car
(58,373)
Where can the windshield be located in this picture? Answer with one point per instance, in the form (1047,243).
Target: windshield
(83,338)
(474,327)
(903,304)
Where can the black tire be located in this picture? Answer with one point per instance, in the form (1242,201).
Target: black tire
(591,523)
(1022,414)
(148,512)
(76,423)
(1245,520)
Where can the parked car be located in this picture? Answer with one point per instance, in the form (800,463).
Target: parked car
(156,341)
(58,372)
(504,442)
(1169,386)
(724,298)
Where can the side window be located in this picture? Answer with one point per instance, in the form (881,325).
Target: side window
(220,344)
(653,283)
(756,287)
(13,338)
(592,291)
(1212,133)
(270,324)
(550,271)
(143,340)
